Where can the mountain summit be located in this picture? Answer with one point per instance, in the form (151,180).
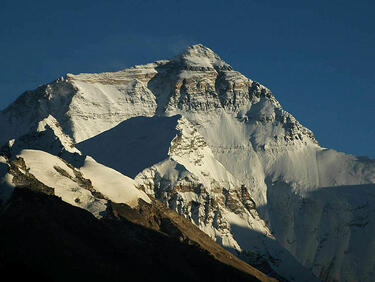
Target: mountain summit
(200,56)
(212,145)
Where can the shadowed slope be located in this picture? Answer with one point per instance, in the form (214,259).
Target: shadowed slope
(133,145)
(41,233)
(332,227)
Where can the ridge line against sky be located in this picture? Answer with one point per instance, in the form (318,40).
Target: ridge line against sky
(316,56)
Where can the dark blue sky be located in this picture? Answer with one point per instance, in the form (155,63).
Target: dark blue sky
(316,56)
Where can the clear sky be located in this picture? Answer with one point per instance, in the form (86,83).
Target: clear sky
(316,56)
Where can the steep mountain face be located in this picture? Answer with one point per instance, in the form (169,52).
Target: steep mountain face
(217,148)
(122,232)
(188,179)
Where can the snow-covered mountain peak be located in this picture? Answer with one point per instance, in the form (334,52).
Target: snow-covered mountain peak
(213,145)
(196,81)
(199,56)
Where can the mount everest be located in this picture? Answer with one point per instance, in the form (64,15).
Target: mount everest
(212,145)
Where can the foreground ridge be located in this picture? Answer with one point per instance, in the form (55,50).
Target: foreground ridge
(111,248)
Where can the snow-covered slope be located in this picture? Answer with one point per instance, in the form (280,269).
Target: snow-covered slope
(186,176)
(89,187)
(112,184)
(66,182)
(219,149)
(6,181)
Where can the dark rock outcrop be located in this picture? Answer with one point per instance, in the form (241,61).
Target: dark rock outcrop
(43,237)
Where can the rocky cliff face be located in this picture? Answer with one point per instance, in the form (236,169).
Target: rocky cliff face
(219,149)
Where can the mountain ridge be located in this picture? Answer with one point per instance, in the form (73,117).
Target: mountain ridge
(235,125)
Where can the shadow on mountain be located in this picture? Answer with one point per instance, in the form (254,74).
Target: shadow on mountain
(17,118)
(133,145)
(268,255)
(43,237)
(323,222)
(163,84)
(5,189)
(46,141)
(349,192)
(281,196)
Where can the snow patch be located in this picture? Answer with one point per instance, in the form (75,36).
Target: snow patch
(112,184)
(47,169)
